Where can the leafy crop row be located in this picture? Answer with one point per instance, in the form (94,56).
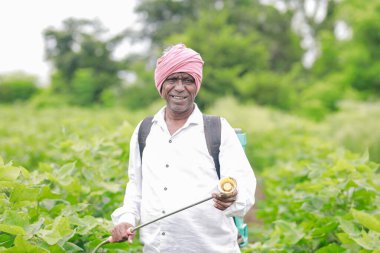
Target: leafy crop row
(63,171)
(74,177)
(323,200)
(319,197)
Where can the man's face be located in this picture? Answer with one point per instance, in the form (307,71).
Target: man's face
(179,91)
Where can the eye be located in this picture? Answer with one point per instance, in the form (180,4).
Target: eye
(188,81)
(172,80)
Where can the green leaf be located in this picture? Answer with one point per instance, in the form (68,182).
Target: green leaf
(44,167)
(56,248)
(369,241)
(12,229)
(32,229)
(23,246)
(367,220)
(349,227)
(60,231)
(6,240)
(320,231)
(46,193)
(85,224)
(17,218)
(71,247)
(348,243)
(289,230)
(331,248)
(9,173)
(24,193)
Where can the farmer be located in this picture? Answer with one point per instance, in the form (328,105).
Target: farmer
(176,170)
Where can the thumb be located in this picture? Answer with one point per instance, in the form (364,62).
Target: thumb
(130,234)
(110,239)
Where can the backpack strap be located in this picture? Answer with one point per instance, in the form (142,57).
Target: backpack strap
(143,133)
(213,130)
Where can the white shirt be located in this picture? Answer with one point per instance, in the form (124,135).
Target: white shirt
(176,171)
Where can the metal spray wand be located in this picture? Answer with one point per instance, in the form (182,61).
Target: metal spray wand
(226,185)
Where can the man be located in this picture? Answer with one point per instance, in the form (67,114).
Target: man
(176,170)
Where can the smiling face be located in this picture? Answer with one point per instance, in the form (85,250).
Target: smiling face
(179,91)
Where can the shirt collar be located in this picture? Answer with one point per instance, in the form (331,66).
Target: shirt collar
(196,117)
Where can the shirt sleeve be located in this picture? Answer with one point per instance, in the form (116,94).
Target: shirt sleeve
(130,211)
(234,163)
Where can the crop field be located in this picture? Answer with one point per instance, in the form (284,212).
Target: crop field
(64,170)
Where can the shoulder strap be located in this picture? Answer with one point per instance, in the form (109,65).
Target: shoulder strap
(212,128)
(144,130)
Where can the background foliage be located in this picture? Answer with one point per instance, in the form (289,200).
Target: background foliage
(313,135)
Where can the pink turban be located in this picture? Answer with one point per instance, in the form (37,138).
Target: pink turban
(179,59)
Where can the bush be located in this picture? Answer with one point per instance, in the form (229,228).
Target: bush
(83,87)
(356,127)
(17,87)
(45,98)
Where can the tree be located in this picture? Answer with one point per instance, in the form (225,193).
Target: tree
(237,39)
(353,58)
(78,51)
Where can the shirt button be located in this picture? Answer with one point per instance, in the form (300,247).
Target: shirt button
(170,141)
(163,233)
(165,188)
(163,212)
(167,165)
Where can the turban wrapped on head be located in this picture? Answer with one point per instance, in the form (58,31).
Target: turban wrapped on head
(179,59)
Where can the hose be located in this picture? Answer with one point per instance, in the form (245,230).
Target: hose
(100,245)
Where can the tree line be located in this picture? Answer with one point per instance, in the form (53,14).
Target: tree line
(252,51)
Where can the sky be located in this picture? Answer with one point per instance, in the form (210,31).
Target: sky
(22,23)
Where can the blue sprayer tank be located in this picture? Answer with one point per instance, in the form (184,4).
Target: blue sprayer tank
(239,222)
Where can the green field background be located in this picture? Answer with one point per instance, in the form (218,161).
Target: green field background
(313,127)
(63,171)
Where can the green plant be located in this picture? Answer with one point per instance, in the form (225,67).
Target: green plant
(17,87)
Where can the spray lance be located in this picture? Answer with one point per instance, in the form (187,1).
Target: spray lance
(226,186)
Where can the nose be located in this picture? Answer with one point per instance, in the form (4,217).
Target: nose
(179,85)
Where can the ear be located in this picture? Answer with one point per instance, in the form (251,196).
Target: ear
(162,86)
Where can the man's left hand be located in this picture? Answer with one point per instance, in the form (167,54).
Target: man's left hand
(223,201)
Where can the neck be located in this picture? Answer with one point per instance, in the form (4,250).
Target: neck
(178,116)
(175,121)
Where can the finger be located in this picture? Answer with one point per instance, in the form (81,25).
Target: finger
(131,234)
(222,205)
(130,231)
(119,236)
(115,235)
(229,199)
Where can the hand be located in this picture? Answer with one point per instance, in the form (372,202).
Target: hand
(223,201)
(122,232)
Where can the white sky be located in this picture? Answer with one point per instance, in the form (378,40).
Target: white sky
(23,21)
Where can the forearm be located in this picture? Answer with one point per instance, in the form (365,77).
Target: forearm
(130,211)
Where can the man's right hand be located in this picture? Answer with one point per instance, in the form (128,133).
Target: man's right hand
(122,232)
